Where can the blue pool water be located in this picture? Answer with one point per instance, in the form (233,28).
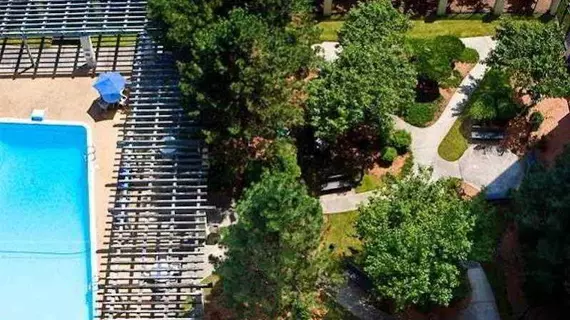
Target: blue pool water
(45,266)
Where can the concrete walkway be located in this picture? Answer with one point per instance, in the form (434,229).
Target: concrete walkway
(482,305)
(425,141)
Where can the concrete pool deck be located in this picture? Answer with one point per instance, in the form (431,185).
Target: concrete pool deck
(66,99)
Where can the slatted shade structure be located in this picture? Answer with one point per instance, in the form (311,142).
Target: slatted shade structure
(152,260)
(71,17)
(63,57)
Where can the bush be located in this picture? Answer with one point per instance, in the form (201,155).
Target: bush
(536,119)
(389,154)
(483,108)
(469,55)
(408,166)
(372,22)
(401,141)
(450,47)
(493,99)
(453,81)
(420,114)
(434,57)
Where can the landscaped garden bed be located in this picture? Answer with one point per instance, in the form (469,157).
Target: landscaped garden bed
(442,63)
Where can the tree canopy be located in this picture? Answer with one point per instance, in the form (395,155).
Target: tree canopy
(371,78)
(532,53)
(416,233)
(543,218)
(270,266)
(364,86)
(373,22)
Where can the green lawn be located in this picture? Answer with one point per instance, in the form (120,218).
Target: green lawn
(454,144)
(128,40)
(340,231)
(422,29)
(459,28)
(368,183)
(462,26)
(330,29)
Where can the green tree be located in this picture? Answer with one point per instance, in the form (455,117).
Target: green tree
(271,266)
(532,53)
(364,86)
(274,11)
(373,22)
(177,21)
(543,220)
(416,233)
(244,83)
(493,99)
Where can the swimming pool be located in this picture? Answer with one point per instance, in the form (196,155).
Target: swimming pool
(46,228)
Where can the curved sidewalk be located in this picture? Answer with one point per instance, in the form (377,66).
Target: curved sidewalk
(425,141)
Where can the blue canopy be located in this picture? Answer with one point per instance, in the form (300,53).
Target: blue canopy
(110,86)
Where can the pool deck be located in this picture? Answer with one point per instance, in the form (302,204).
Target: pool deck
(66,99)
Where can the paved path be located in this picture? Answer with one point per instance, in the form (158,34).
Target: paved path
(482,305)
(426,140)
(476,167)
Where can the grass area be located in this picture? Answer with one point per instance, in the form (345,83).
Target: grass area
(455,27)
(330,30)
(340,231)
(106,41)
(111,41)
(421,29)
(455,142)
(369,182)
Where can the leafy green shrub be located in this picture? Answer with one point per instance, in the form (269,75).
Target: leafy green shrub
(401,141)
(493,99)
(469,55)
(434,57)
(453,81)
(372,22)
(449,46)
(420,114)
(536,119)
(408,166)
(482,108)
(389,154)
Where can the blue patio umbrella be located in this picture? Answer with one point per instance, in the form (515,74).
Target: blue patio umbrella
(110,85)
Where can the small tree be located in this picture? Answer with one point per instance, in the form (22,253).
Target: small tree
(373,22)
(401,140)
(364,86)
(532,54)
(271,266)
(416,233)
